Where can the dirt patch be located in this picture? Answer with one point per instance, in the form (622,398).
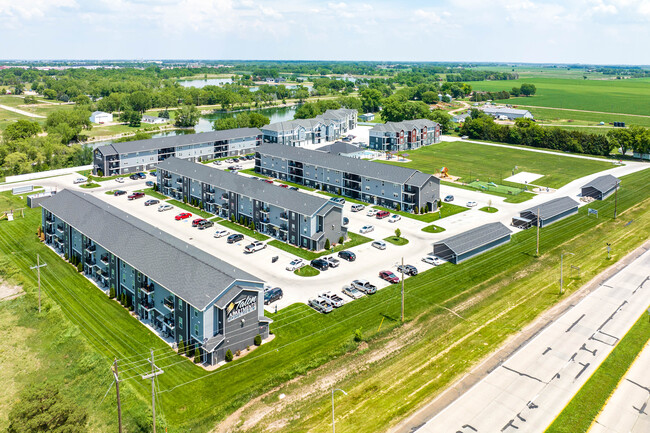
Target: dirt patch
(8,291)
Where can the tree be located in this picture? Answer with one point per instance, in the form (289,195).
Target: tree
(306,111)
(111,293)
(49,94)
(21,129)
(528,89)
(68,124)
(515,91)
(41,408)
(229,356)
(327,244)
(224,123)
(131,117)
(197,356)
(258,120)
(257,340)
(187,117)
(358,335)
(18,89)
(443,119)
(16,163)
(341,240)
(302,93)
(398,233)
(30,99)
(430,97)
(370,100)
(181,347)
(619,139)
(140,101)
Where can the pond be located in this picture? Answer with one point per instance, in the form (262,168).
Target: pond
(205,82)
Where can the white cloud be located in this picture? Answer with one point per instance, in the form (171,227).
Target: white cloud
(429,16)
(30,9)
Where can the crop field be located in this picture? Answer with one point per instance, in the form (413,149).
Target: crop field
(573,117)
(473,161)
(611,96)
(495,294)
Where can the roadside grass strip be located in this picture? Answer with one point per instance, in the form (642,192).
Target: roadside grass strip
(191,209)
(445,210)
(243,230)
(354,239)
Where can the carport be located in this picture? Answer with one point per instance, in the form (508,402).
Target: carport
(601,187)
(472,242)
(546,213)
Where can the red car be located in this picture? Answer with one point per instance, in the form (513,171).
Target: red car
(136,195)
(197,221)
(284,186)
(389,276)
(382,214)
(183,216)
(268,181)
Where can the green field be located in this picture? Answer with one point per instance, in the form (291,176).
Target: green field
(473,161)
(572,117)
(392,374)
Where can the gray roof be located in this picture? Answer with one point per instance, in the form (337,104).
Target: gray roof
(188,272)
(475,238)
(296,201)
(375,170)
(497,111)
(603,183)
(329,116)
(407,125)
(99,112)
(339,148)
(552,208)
(177,140)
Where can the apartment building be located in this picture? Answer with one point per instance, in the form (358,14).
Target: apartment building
(178,291)
(291,216)
(372,182)
(329,126)
(134,156)
(406,135)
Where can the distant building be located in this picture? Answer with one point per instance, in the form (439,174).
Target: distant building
(460,118)
(368,117)
(506,113)
(329,126)
(153,120)
(406,135)
(101,117)
(344,149)
(601,187)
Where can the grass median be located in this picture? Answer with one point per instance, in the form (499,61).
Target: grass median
(354,239)
(191,209)
(244,230)
(445,210)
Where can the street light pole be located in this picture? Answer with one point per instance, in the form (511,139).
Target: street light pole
(333,391)
(561,271)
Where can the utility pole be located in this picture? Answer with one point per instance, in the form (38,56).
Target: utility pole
(155,371)
(333,391)
(615,200)
(117,388)
(402,289)
(537,253)
(38,271)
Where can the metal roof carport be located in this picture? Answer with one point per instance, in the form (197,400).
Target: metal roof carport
(601,187)
(549,212)
(472,242)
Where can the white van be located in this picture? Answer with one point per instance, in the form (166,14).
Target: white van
(357,207)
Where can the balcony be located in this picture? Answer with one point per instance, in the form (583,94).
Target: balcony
(148,306)
(167,176)
(265,210)
(283,228)
(179,181)
(49,219)
(284,216)
(90,262)
(169,322)
(104,259)
(169,303)
(91,248)
(59,229)
(148,289)
(224,196)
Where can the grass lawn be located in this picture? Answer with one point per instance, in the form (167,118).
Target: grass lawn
(489,209)
(307,271)
(244,230)
(433,229)
(519,198)
(497,293)
(445,210)
(568,117)
(585,406)
(252,172)
(354,239)
(473,161)
(156,194)
(396,240)
(191,209)
(90,185)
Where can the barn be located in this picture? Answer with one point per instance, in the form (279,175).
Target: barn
(547,213)
(601,187)
(472,242)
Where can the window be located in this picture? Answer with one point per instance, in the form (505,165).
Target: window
(180,322)
(196,330)
(196,313)
(395,195)
(180,305)
(367,188)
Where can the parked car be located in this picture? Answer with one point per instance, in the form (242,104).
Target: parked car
(249,157)
(254,246)
(119,192)
(320,264)
(205,224)
(164,207)
(149,183)
(372,212)
(331,298)
(235,237)
(366,229)
(394,218)
(389,276)
(449,198)
(356,207)
(293,188)
(272,295)
(471,203)
(221,233)
(142,175)
(338,200)
(79,180)
(319,305)
(346,221)
(136,195)
(235,160)
(268,181)
(284,186)
(432,260)
(151,202)
(134,176)
(197,221)
(333,261)
(119,179)
(380,245)
(182,216)
(347,255)
(364,286)
(382,214)
(352,292)
(296,264)
(408,270)
(153,173)
(217,162)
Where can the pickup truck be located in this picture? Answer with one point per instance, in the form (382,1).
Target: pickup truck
(331,298)
(319,305)
(255,246)
(136,195)
(332,261)
(365,286)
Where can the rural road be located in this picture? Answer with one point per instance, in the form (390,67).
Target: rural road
(528,390)
(24,113)
(582,111)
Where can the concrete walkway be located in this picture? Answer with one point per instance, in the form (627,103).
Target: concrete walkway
(22,112)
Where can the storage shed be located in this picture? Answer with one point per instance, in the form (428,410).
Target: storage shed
(548,213)
(601,187)
(472,242)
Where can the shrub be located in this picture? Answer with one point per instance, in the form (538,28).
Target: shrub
(426,209)
(327,244)
(229,355)
(398,233)
(232,218)
(100,173)
(415,210)
(358,336)
(258,340)
(197,356)
(80,267)
(111,293)
(238,353)
(341,240)
(252,226)
(241,220)
(398,207)
(181,347)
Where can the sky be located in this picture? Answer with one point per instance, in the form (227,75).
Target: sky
(532,31)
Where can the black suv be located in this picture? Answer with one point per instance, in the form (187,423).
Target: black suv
(134,176)
(347,255)
(272,295)
(320,264)
(408,270)
(235,237)
(205,224)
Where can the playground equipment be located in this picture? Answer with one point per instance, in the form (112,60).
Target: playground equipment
(9,214)
(493,184)
(444,173)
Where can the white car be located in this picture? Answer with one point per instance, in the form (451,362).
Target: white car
(119,179)
(217,162)
(432,260)
(372,212)
(296,264)
(255,246)
(331,298)
(380,245)
(80,180)
(366,229)
(333,261)
(352,292)
(221,233)
(471,203)
(164,207)
(394,218)
(356,207)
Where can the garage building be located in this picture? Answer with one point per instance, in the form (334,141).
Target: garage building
(601,187)
(472,242)
(548,213)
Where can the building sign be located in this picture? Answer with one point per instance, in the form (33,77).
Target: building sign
(241,307)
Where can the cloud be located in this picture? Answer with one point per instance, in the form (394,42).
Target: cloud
(31,9)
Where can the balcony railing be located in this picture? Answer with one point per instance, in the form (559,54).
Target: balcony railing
(148,289)
(169,303)
(265,210)
(49,219)
(169,322)
(59,228)
(148,306)
(284,216)
(91,248)
(104,259)
(179,181)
